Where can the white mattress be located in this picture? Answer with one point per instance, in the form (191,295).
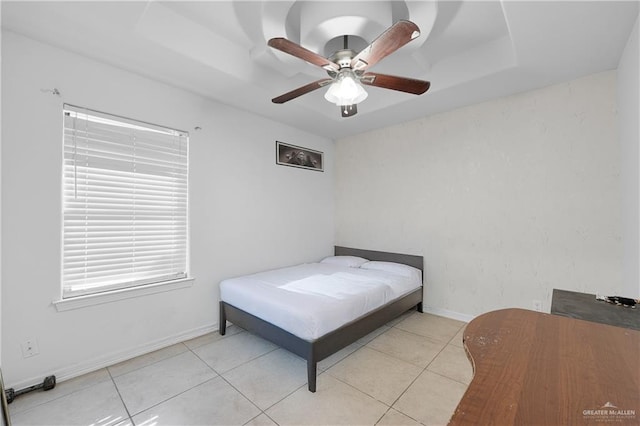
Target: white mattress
(312,299)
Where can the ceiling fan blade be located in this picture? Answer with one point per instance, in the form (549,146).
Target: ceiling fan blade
(399,34)
(402,84)
(298,51)
(301,91)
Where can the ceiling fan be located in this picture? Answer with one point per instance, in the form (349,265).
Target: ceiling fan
(348,71)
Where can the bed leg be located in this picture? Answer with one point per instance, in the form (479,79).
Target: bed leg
(222,326)
(419,307)
(311,374)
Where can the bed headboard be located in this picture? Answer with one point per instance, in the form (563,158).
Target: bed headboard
(407,259)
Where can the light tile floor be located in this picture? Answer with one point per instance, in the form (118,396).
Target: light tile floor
(411,371)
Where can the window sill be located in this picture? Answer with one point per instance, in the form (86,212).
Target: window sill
(127,293)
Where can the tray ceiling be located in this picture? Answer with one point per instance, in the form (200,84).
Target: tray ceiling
(470,51)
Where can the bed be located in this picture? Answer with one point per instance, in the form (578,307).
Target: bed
(282,305)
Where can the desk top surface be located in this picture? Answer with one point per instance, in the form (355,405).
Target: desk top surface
(535,368)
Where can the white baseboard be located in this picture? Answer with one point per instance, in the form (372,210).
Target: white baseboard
(107,360)
(447,313)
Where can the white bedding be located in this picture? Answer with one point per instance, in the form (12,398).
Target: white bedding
(312,299)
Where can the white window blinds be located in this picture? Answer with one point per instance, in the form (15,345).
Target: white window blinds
(124,203)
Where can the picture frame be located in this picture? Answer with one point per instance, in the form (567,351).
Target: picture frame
(297,156)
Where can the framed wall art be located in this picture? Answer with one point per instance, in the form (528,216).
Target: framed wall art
(296,156)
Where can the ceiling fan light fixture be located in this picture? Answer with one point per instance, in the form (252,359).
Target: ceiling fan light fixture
(348,70)
(346,90)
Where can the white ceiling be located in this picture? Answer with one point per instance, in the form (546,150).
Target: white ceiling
(471,51)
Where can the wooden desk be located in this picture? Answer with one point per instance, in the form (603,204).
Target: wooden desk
(532,368)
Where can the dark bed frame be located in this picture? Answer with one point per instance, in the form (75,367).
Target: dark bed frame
(317,350)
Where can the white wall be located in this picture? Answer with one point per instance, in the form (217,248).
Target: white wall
(247,213)
(1,381)
(629,122)
(506,200)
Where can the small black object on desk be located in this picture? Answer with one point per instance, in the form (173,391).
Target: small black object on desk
(585,307)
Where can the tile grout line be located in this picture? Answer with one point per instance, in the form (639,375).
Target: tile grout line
(445,344)
(320,372)
(221,375)
(449,378)
(171,397)
(188,349)
(244,396)
(382,416)
(390,406)
(115,385)
(149,364)
(230,384)
(425,369)
(416,378)
(362,392)
(306,383)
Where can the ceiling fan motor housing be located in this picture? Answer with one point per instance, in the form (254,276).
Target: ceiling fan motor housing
(343,58)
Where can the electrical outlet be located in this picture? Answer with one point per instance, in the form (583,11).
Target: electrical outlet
(537,305)
(29,348)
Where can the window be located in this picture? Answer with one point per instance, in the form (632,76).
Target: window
(124,203)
